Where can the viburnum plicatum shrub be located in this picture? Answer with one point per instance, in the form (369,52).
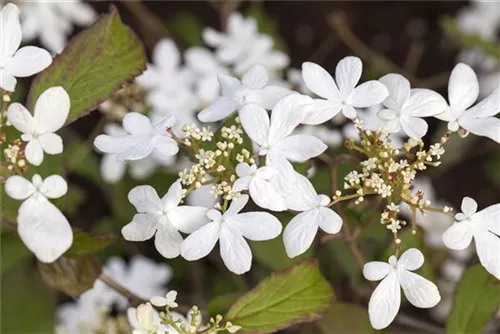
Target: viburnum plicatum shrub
(230,126)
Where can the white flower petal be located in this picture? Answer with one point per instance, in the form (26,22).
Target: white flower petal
(349,111)
(300,232)
(368,94)
(463,87)
(328,220)
(21,118)
(139,149)
(11,30)
(458,236)
(165,146)
(145,199)
(419,291)
(52,109)
(267,97)
(166,55)
(17,187)
(243,183)
(255,122)
(7,81)
(218,110)
(376,270)
(34,152)
(236,206)
(285,173)
(137,124)
(188,219)
(228,84)
(114,145)
(201,242)
(51,143)
(256,226)
(490,106)
(469,206)
(173,196)
(321,111)
(144,314)
(399,91)
(489,216)
(387,114)
(28,61)
(265,196)
(488,251)
(243,169)
(299,148)
(423,103)
(302,196)
(412,259)
(141,228)
(55,186)
(320,82)
(44,229)
(112,171)
(414,127)
(385,301)
(347,74)
(256,77)
(288,113)
(158,301)
(167,239)
(234,250)
(487,127)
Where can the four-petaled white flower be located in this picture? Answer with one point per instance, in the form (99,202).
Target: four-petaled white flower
(51,111)
(463,91)
(483,227)
(257,182)
(40,224)
(274,139)
(13,62)
(251,90)
(300,232)
(168,300)
(386,299)
(230,229)
(405,107)
(143,139)
(343,95)
(164,217)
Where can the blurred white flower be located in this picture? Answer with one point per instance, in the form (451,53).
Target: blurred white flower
(168,300)
(463,91)
(257,182)
(51,112)
(315,213)
(343,95)
(405,107)
(143,139)
(42,227)
(17,63)
(52,21)
(386,299)
(482,226)
(162,218)
(230,229)
(261,52)
(253,89)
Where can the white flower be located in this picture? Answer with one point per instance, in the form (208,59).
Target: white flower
(463,90)
(386,299)
(143,139)
(405,107)
(17,63)
(274,139)
(52,21)
(236,94)
(261,52)
(483,227)
(51,111)
(168,300)
(163,217)
(256,181)
(84,315)
(113,170)
(300,232)
(147,316)
(230,229)
(236,42)
(165,77)
(343,95)
(40,224)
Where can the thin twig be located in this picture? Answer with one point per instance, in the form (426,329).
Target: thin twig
(324,50)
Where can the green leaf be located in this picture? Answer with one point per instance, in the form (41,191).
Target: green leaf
(85,244)
(13,252)
(296,295)
(476,300)
(187,27)
(73,276)
(94,64)
(345,318)
(221,304)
